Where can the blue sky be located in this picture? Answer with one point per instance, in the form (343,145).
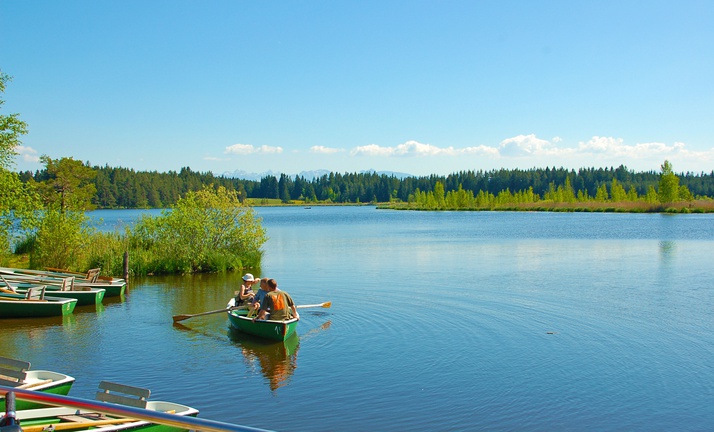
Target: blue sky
(420,87)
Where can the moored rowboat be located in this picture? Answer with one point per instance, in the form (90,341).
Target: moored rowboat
(20,306)
(102,416)
(84,296)
(137,414)
(16,374)
(88,296)
(112,288)
(63,418)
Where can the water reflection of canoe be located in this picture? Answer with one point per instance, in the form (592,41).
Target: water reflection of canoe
(16,374)
(277,360)
(269,329)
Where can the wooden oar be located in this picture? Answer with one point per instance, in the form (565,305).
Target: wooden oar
(182,317)
(77,425)
(323,305)
(83,424)
(178,318)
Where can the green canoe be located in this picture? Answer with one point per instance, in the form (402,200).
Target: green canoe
(94,416)
(113,286)
(19,306)
(17,375)
(268,329)
(88,296)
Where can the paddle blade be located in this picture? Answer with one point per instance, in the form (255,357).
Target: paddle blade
(322,305)
(178,318)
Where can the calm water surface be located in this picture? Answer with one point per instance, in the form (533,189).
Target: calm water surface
(440,321)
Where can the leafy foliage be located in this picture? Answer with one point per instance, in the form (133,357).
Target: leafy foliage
(668,184)
(18,202)
(11,128)
(60,239)
(207,230)
(67,184)
(16,198)
(562,197)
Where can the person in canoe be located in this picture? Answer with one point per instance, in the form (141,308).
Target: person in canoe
(254,305)
(279,303)
(245,294)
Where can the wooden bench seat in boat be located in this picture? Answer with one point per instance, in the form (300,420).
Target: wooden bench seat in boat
(123,394)
(93,275)
(83,417)
(13,372)
(35,293)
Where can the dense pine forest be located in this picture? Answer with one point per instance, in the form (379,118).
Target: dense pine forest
(126,188)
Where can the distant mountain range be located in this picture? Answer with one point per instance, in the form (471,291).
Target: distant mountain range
(307,175)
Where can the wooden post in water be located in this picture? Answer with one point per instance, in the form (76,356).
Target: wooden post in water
(126,266)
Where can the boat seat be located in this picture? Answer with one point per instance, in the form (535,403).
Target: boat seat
(13,372)
(67,284)
(93,274)
(83,417)
(123,394)
(35,293)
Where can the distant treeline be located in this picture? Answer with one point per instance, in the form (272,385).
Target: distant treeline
(126,188)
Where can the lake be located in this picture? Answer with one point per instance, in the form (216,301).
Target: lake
(439,321)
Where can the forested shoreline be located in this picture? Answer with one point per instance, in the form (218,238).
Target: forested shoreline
(127,188)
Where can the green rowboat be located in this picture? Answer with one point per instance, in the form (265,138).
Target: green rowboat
(20,306)
(118,408)
(113,286)
(98,417)
(268,329)
(17,375)
(89,296)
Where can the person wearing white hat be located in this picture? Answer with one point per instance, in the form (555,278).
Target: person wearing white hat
(246,294)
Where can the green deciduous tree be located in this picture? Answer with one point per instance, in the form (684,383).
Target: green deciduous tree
(18,204)
(63,231)
(601,195)
(60,239)
(207,230)
(617,191)
(668,184)
(11,128)
(18,200)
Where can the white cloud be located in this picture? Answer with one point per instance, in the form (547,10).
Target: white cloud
(28,154)
(414,148)
(324,150)
(372,150)
(247,149)
(601,145)
(213,159)
(520,151)
(615,147)
(527,145)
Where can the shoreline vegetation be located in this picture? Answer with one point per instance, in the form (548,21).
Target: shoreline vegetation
(208,224)
(695,206)
(215,229)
